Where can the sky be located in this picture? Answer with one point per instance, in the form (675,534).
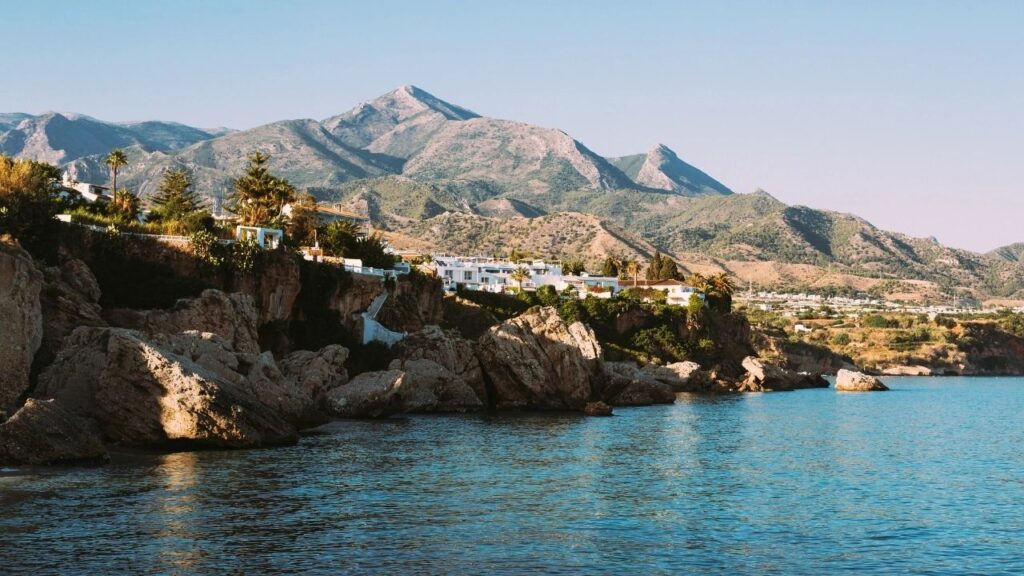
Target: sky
(909,114)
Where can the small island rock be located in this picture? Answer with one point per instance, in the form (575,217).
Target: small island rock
(850,381)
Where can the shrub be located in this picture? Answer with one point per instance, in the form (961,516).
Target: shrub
(841,339)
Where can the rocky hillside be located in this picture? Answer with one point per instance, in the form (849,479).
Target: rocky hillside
(563,234)
(1013,253)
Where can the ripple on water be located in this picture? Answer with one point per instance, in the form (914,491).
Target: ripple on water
(925,479)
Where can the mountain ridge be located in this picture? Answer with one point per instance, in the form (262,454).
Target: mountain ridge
(413,161)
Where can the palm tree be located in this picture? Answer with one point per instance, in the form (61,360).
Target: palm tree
(718,289)
(116,159)
(633,269)
(698,281)
(126,203)
(722,284)
(520,275)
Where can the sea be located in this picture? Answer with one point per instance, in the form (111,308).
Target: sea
(927,478)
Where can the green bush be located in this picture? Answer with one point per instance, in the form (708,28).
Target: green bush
(841,339)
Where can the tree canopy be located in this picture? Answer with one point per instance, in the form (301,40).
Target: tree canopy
(259,196)
(662,268)
(29,202)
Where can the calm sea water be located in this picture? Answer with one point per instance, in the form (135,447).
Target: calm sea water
(927,479)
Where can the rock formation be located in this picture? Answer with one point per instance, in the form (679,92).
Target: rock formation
(430,387)
(764,377)
(233,317)
(680,376)
(536,361)
(21,322)
(141,394)
(628,385)
(69,299)
(850,381)
(368,395)
(43,432)
(454,353)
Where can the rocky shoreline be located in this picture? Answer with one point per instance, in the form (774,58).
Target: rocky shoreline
(202,374)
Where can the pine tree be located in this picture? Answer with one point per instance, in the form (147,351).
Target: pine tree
(654,268)
(668,269)
(259,196)
(175,199)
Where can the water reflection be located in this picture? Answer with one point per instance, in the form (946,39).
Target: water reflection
(806,482)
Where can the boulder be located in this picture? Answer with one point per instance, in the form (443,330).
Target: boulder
(851,381)
(431,387)
(316,373)
(21,322)
(233,317)
(764,377)
(597,409)
(680,376)
(142,394)
(537,361)
(292,388)
(450,350)
(43,432)
(628,385)
(368,395)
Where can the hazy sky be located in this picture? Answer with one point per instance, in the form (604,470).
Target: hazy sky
(910,114)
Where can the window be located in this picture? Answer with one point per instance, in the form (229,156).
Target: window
(449,274)
(485,280)
(467,275)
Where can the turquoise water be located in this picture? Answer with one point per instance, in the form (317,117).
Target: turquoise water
(926,479)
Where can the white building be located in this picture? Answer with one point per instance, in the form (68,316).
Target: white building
(88,192)
(268,238)
(676,292)
(492,275)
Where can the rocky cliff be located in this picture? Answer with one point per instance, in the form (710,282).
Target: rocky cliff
(22,332)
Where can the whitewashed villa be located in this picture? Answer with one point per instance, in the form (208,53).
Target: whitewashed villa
(492,275)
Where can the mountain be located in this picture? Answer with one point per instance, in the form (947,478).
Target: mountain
(439,176)
(301,150)
(61,138)
(1012,253)
(397,124)
(661,169)
(10,120)
(501,156)
(406,132)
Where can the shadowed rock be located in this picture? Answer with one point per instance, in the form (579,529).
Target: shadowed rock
(141,394)
(430,387)
(452,352)
(628,385)
(43,432)
(368,395)
(21,322)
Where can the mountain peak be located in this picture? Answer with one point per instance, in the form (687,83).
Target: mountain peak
(407,107)
(661,169)
(661,149)
(417,96)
